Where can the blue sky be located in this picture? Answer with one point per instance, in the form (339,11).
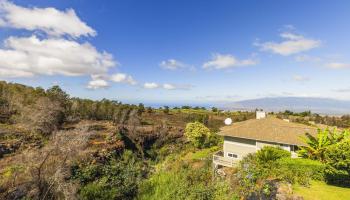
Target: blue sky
(178,51)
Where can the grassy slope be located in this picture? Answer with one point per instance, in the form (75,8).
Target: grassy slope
(185,175)
(321,191)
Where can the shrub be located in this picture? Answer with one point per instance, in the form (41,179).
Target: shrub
(270,153)
(166,109)
(337,159)
(197,117)
(271,163)
(299,170)
(97,191)
(182,181)
(249,173)
(116,178)
(197,133)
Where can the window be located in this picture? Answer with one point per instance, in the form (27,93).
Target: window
(294,148)
(285,147)
(232,155)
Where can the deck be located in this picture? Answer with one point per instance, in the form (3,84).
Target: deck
(219,159)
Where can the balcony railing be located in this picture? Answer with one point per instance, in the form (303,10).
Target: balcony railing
(219,159)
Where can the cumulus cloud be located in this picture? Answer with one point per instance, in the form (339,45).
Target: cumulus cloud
(300,78)
(291,44)
(172,64)
(123,78)
(49,20)
(56,52)
(29,56)
(338,65)
(225,61)
(97,84)
(150,85)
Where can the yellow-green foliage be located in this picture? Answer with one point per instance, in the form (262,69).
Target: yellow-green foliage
(205,153)
(337,158)
(10,173)
(317,145)
(197,133)
(319,190)
(186,175)
(185,181)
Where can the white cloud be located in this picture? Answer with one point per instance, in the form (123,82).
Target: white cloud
(172,64)
(58,52)
(291,44)
(123,78)
(49,20)
(168,86)
(150,85)
(338,65)
(225,61)
(97,84)
(307,58)
(300,78)
(29,56)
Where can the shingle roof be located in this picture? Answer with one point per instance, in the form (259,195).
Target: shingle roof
(270,130)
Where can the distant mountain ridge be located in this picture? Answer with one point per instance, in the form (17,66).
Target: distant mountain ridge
(317,105)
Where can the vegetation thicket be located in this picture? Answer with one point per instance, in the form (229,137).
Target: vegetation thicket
(53,146)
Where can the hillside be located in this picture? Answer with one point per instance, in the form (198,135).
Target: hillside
(53,146)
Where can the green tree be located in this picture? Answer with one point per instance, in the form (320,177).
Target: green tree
(56,93)
(214,109)
(337,159)
(166,109)
(197,133)
(149,109)
(317,145)
(186,107)
(141,109)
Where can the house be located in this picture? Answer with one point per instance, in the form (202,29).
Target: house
(249,136)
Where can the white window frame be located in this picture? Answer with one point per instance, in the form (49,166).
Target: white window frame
(227,154)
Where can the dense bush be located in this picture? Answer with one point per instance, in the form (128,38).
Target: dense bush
(271,163)
(116,178)
(197,133)
(337,159)
(197,117)
(182,181)
(270,153)
(299,170)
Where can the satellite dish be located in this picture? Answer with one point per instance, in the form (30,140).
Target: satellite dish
(228,121)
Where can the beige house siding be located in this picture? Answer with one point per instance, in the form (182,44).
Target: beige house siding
(261,144)
(241,147)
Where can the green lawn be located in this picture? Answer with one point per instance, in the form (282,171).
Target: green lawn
(321,191)
(201,154)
